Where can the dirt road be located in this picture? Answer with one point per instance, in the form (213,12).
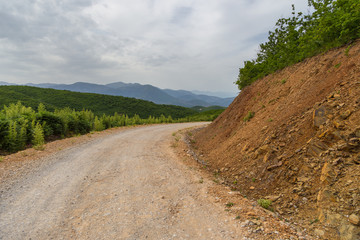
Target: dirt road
(128,185)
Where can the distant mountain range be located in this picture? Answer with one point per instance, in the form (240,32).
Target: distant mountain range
(139,91)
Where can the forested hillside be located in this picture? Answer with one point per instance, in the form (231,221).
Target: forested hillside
(332,23)
(97,103)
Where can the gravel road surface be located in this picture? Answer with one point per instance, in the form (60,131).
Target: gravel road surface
(128,185)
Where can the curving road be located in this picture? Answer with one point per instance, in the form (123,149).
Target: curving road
(129,185)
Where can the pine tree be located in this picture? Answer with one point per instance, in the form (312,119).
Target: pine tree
(12,136)
(98,125)
(22,136)
(38,136)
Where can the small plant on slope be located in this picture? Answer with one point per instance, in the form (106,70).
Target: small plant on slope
(249,116)
(264,203)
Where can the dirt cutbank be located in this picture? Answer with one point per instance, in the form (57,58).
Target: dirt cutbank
(301,146)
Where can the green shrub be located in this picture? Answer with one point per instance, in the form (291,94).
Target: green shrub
(38,136)
(249,116)
(98,125)
(4,131)
(12,137)
(264,203)
(52,124)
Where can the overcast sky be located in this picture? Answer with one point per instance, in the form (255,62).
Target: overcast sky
(178,44)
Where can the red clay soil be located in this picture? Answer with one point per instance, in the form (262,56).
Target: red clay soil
(301,147)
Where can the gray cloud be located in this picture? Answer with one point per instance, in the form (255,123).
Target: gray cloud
(171,44)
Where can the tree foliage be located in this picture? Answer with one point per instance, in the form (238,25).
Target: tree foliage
(332,23)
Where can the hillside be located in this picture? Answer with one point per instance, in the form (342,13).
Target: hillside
(97,103)
(294,137)
(145,92)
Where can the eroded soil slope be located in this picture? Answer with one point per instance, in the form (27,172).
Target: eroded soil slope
(301,147)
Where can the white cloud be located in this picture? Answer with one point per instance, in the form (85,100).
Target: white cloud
(184,44)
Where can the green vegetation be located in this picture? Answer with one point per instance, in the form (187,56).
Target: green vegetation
(249,116)
(38,136)
(332,23)
(347,50)
(264,203)
(97,103)
(314,221)
(210,115)
(229,204)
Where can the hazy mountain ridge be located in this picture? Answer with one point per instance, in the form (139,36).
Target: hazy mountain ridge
(145,92)
(99,104)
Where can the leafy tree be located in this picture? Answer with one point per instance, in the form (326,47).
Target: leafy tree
(331,24)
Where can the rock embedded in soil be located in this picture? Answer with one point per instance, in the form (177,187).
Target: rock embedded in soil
(319,232)
(319,116)
(354,219)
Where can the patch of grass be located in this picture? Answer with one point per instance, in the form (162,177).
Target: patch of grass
(249,116)
(216,181)
(347,50)
(229,204)
(270,120)
(265,203)
(314,221)
(337,65)
(39,147)
(237,217)
(283,81)
(253,179)
(235,182)
(189,134)
(272,100)
(1,159)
